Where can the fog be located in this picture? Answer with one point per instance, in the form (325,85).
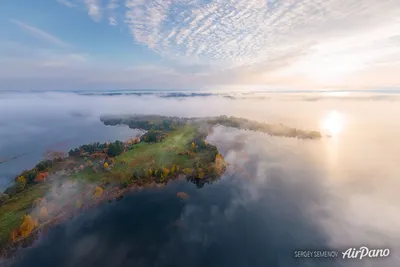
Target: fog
(277,195)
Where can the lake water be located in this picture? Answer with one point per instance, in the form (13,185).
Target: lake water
(32,137)
(277,196)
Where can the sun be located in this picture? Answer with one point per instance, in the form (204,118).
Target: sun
(333,123)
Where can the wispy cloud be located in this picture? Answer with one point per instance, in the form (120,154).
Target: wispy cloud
(112,7)
(41,34)
(94,9)
(245,31)
(66,3)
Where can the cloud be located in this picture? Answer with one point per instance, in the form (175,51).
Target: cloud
(94,9)
(41,34)
(66,3)
(112,6)
(243,32)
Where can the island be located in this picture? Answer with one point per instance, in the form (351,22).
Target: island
(64,185)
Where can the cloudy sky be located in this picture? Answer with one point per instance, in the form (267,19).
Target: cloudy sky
(196,44)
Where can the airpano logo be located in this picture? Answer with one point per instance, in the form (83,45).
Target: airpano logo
(361,253)
(364,252)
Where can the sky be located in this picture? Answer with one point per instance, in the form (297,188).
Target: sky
(198,44)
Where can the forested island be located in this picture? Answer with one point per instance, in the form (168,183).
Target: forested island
(65,184)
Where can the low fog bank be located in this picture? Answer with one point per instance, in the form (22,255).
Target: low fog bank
(23,109)
(277,195)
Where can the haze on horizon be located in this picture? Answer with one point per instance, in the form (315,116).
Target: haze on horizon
(191,44)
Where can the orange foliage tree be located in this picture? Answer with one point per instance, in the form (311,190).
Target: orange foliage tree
(43,213)
(27,226)
(219,163)
(165,172)
(41,177)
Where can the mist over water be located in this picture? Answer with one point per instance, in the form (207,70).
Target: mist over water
(277,195)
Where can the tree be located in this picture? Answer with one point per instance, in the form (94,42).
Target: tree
(41,177)
(173,169)
(26,226)
(115,149)
(98,192)
(43,213)
(193,145)
(219,163)
(21,181)
(31,175)
(165,172)
(150,173)
(200,173)
(43,165)
(188,171)
(105,165)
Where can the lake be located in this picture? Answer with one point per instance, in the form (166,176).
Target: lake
(278,195)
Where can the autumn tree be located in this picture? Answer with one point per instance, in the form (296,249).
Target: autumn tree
(98,192)
(21,179)
(26,226)
(21,182)
(219,163)
(173,169)
(41,177)
(165,172)
(193,146)
(200,173)
(105,165)
(188,171)
(43,213)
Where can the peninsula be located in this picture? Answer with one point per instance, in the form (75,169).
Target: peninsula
(65,184)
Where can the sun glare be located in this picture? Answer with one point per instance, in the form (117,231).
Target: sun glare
(333,123)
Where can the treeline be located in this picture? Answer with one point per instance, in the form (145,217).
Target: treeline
(271,129)
(28,178)
(154,136)
(112,149)
(146,122)
(165,124)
